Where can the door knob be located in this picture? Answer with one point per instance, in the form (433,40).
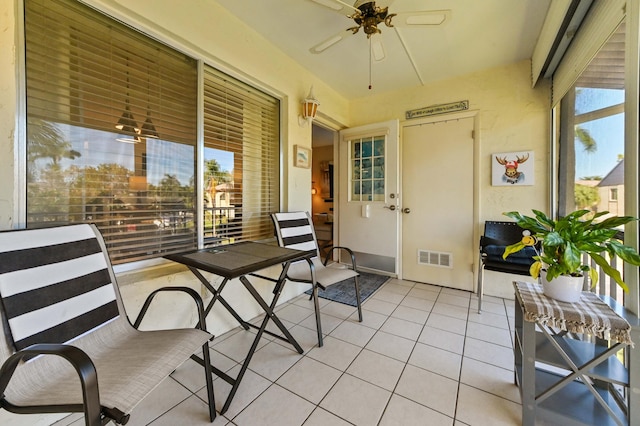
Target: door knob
(391,207)
(406,210)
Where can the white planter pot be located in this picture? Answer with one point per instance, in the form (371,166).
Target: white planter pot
(564,288)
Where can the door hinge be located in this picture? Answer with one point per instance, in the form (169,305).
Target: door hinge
(473,134)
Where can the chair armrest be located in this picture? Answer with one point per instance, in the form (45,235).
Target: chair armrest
(88,381)
(202,324)
(348,250)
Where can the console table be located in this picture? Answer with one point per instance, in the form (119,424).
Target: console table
(572,359)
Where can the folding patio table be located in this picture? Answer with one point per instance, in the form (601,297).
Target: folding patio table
(239,261)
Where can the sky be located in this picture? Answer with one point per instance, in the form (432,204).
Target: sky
(607,132)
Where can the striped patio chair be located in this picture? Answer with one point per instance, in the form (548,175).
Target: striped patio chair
(66,343)
(295,230)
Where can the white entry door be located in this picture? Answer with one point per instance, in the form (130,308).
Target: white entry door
(368,218)
(438,202)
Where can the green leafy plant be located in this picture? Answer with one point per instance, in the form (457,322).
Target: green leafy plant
(564,241)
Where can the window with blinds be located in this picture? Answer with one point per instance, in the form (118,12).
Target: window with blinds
(111,130)
(241,160)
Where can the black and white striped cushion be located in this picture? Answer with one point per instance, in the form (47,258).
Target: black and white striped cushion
(54,284)
(296,231)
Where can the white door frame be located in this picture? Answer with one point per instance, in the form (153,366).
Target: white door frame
(476,172)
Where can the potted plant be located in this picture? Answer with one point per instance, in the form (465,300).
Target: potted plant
(563,243)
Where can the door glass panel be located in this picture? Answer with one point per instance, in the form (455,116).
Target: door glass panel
(368,169)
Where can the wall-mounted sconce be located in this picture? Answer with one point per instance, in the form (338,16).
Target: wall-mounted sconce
(309,109)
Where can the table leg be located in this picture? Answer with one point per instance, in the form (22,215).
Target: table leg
(216,297)
(269,314)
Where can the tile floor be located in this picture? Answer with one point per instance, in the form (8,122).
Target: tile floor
(422,356)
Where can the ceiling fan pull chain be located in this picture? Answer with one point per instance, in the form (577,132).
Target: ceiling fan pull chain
(370,63)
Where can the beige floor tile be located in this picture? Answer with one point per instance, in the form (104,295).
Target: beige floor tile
(478,408)
(424,292)
(354,333)
(498,336)
(310,379)
(335,353)
(388,296)
(237,346)
(321,417)
(442,339)
(390,345)
(443,322)
(396,286)
(272,360)
(429,389)
(338,310)
(294,313)
(488,306)
(457,292)
(417,303)
(369,318)
(377,369)
(356,401)
(411,314)
(403,328)
(401,412)
(190,412)
(489,378)
(489,318)
(250,387)
(328,322)
(436,360)
(379,306)
(489,353)
(276,406)
(454,311)
(455,300)
(305,337)
(191,374)
(163,398)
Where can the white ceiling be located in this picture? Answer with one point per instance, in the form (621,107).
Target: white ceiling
(480,34)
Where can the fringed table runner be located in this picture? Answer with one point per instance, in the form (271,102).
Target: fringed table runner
(589,315)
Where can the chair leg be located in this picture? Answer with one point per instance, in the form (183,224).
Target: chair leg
(316,306)
(480,289)
(206,358)
(357,284)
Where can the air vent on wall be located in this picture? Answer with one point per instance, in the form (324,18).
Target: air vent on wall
(435,258)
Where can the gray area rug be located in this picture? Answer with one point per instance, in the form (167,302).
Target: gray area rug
(345,291)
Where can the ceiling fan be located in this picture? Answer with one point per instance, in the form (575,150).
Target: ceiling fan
(366,15)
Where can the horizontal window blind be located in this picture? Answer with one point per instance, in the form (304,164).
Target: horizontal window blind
(601,22)
(242,137)
(85,74)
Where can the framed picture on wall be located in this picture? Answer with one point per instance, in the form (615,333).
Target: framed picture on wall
(512,168)
(301,156)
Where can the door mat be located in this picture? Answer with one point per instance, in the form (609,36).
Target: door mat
(345,291)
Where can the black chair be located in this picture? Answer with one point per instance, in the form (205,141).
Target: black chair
(498,235)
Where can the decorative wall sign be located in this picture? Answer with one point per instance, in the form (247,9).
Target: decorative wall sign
(301,156)
(512,168)
(437,109)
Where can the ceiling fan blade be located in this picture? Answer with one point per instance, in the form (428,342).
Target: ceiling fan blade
(420,19)
(324,45)
(337,5)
